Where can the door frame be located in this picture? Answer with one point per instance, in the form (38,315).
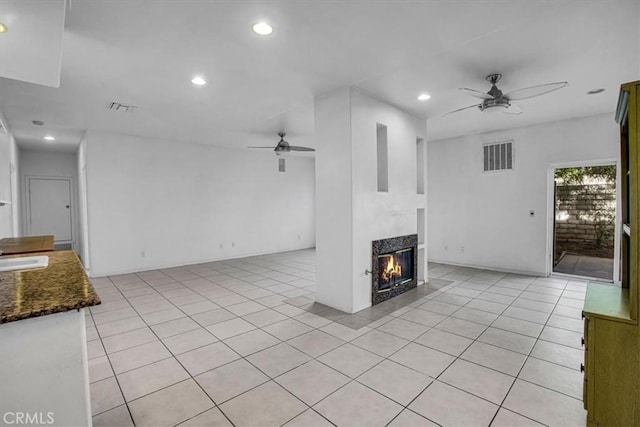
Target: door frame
(27,205)
(551,169)
(15,192)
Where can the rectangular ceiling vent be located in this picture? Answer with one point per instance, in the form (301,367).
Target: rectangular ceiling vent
(497,156)
(116,106)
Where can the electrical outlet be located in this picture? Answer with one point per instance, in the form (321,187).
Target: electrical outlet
(446,247)
(221,245)
(298,237)
(143,254)
(233,244)
(461,249)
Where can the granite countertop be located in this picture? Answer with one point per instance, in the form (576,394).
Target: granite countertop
(62,286)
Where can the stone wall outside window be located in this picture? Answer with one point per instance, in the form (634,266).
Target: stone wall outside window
(585,219)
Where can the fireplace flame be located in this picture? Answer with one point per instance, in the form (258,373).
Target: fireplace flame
(392,269)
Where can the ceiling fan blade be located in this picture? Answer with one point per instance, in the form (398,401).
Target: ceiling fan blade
(262,147)
(532,91)
(460,109)
(297,148)
(476,93)
(513,109)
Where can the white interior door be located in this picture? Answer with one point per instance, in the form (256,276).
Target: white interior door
(50,208)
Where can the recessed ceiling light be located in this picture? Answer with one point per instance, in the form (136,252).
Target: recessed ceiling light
(594,91)
(423,97)
(3,28)
(198,81)
(49,138)
(262,28)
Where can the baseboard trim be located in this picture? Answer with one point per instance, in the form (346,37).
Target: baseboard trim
(492,268)
(182,264)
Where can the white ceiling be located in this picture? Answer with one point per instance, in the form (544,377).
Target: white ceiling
(39,24)
(145,53)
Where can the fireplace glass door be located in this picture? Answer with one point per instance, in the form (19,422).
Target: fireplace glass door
(395,269)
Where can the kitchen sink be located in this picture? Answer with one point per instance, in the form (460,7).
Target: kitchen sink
(23,263)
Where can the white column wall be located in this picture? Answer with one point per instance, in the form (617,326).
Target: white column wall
(350,212)
(9,186)
(334,200)
(83,217)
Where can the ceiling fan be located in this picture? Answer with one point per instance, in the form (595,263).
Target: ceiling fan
(495,100)
(284,147)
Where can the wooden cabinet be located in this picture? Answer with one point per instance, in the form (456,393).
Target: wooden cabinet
(25,245)
(611,392)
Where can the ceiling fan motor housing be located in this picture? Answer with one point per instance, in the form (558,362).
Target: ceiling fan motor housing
(497,103)
(498,100)
(282,147)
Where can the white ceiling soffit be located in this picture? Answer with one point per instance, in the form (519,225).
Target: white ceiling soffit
(31,137)
(31,48)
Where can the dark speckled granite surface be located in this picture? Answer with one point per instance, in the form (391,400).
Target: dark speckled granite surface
(62,286)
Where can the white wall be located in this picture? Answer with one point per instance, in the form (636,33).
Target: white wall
(334,200)
(83,212)
(9,187)
(49,164)
(487,214)
(350,212)
(155,204)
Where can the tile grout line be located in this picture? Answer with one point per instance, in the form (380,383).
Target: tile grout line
(522,367)
(423,298)
(406,407)
(115,378)
(191,376)
(183,367)
(499,406)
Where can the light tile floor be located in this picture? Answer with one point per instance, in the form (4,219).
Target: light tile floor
(240,342)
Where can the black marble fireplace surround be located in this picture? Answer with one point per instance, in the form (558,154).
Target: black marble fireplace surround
(403,252)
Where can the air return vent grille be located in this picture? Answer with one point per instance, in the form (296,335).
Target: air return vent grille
(116,106)
(497,156)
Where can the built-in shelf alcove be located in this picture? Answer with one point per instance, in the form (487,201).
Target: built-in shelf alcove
(382,157)
(420,164)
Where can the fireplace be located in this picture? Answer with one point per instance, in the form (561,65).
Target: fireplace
(395,267)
